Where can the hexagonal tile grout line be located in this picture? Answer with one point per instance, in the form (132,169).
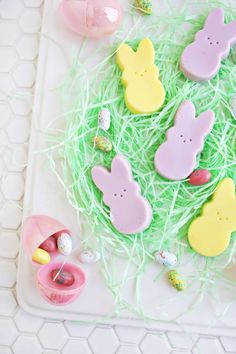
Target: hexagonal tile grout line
(20,21)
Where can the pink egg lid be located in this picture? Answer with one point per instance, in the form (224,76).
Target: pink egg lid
(36,229)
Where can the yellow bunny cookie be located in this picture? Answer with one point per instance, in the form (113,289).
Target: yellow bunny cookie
(209,234)
(144,91)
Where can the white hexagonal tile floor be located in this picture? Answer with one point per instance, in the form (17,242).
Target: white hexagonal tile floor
(27,323)
(127,349)
(30,21)
(5,114)
(24,74)
(8,58)
(11,9)
(103,340)
(10,216)
(28,48)
(53,335)
(8,273)
(9,244)
(74,346)
(21,333)
(9,32)
(18,130)
(152,343)
(7,298)
(8,331)
(208,345)
(13,186)
(27,345)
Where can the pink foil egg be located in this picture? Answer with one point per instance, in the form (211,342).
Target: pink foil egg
(199,177)
(50,245)
(91,18)
(62,277)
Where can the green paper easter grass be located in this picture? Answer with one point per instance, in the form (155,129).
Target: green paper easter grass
(137,137)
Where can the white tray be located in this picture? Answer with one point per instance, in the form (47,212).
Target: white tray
(45,195)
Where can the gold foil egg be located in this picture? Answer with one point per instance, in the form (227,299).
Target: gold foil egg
(144,6)
(176,280)
(102,143)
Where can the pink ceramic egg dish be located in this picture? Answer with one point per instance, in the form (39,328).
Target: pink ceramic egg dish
(36,230)
(91,18)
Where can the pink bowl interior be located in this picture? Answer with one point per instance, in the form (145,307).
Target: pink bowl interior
(44,277)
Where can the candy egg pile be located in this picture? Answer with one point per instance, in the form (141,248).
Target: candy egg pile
(165,258)
(62,243)
(169,260)
(62,277)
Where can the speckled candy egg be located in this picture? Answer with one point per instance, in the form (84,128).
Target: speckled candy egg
(89,256)
(64,244)
(176,280)
(104,119)
(144,6)
(165,258)
(199,177)
(102,143)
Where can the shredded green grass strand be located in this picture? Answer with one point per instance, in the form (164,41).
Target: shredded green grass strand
(137,137)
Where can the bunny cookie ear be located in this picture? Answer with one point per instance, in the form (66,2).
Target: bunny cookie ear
(186,111)
(215,18)
(124,55)
(100,177)
(120,168)
(230,31)
(204,122)
(146,51)
(225,190)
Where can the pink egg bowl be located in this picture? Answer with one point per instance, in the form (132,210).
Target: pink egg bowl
(59,294)
(37,229)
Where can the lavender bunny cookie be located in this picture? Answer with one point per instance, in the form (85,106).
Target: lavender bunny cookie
(201,60)
(130,212)
(175,159)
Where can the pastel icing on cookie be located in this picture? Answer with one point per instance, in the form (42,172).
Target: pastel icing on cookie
(175,159)
(201,60)
(130,212)
(144,92)
(209,234)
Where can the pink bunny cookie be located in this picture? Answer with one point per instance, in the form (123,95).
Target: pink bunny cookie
(130,212)
(201,59)
(175,159)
